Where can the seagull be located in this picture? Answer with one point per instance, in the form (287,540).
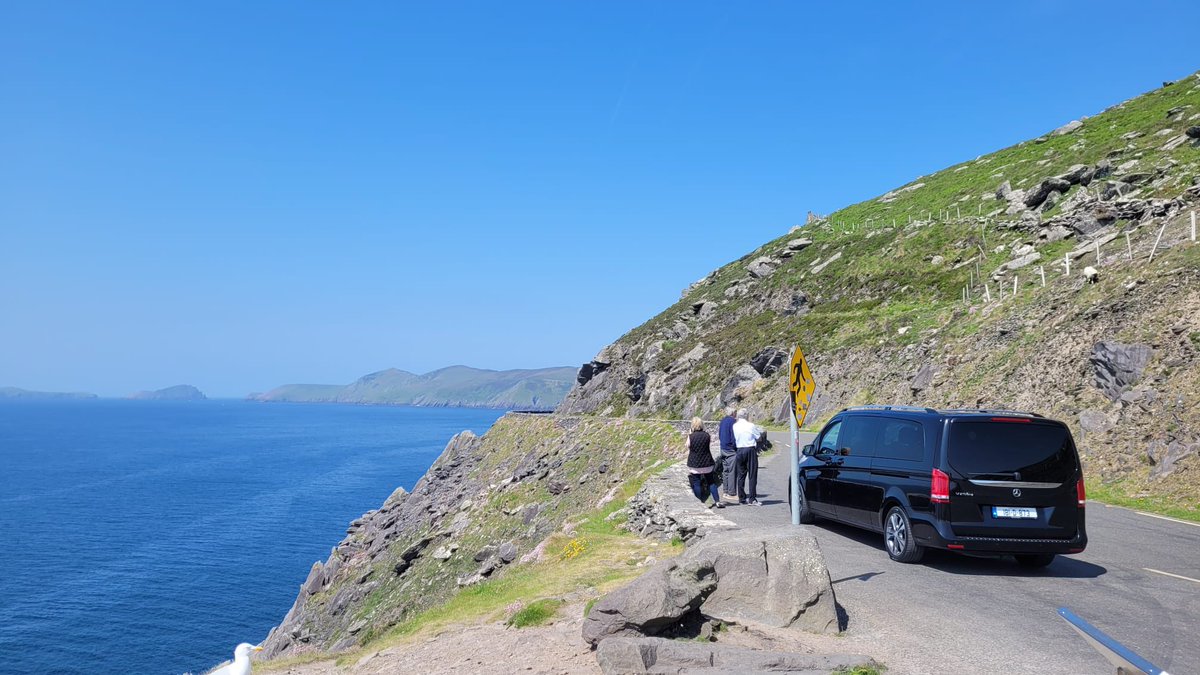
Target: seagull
(241,661)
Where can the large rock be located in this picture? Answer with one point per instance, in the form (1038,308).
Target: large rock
(762,267)
(589,370)
(774,576)
(1116,367)
(652,603)
(635,656)
(733,389)
(768,361)
(768,576)
(1038,194)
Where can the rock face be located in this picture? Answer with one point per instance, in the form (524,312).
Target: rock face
(634,656)
(771,576)
(1116,367)
(483,503)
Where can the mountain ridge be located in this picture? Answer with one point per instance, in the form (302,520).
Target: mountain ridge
(457,385)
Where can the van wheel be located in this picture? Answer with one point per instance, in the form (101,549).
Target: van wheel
(806,514)
(898,537)
(1035,561)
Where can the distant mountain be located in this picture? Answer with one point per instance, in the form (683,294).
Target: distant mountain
(180,392)
(9,393)
(454,386)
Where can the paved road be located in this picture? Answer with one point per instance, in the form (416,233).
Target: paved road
(955,614)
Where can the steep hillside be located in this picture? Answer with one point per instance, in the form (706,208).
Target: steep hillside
(933,294)
(488,503)
(453,386)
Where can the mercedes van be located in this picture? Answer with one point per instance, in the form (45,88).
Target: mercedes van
(979,482)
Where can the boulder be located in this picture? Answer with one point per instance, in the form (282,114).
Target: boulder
(1165,457)
(1035,196)
(589,370)
(794,304)
(762,267)
(768,361)
(1067,128)
(773,576)
(1093,422)
(1116,367)
(744,375)
(507,552)
(1003,191)
(1192,132)
(652,603)
(795,246)
(635,656)
(924,377)
(1078,173)
(768,576)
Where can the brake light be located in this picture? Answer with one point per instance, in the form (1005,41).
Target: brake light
(1023,420)
(1080,493)
(939,492)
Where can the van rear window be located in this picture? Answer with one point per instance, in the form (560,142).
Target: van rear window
(1006,451)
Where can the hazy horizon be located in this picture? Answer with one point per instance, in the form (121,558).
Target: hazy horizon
(242,196)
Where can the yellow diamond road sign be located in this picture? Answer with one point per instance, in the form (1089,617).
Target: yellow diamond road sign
(802,386)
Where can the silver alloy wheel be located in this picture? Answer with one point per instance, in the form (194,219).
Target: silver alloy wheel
(896,534)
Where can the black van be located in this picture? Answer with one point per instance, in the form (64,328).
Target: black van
(974,481)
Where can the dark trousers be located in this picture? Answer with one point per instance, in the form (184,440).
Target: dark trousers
(729,472)
(703,483)
(747,467)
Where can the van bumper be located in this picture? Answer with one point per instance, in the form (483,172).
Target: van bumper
(939,535)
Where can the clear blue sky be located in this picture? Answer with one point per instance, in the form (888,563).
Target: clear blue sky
(238,195)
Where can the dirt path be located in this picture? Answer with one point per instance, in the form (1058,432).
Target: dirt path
(556,649)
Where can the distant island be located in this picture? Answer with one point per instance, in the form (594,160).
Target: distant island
(10,393)
(459,386)
(180,392)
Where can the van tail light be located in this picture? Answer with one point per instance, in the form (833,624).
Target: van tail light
(1080,493)
(939,492)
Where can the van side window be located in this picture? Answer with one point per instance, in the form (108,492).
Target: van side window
(902,439)
(858,435)
(829,440)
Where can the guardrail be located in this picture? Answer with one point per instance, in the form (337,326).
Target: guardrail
(1123,659)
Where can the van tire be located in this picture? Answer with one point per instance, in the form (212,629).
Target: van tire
(806,515)
(898,537)
(1035,560)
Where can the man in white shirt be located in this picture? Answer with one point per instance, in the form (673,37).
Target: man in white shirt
(745,435)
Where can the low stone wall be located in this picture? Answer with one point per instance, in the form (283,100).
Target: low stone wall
(665,508)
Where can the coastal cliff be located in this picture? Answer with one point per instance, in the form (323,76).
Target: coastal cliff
(488,503)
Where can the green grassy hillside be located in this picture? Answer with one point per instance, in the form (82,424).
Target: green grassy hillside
(909,298)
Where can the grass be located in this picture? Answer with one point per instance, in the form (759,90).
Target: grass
(1117,494)
(860,670)
(536,613)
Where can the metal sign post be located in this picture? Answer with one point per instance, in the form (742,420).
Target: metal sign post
(801,387)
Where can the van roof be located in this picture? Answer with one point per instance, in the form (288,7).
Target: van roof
(954,412)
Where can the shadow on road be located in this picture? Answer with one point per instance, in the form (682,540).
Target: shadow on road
(954,563)
(866,576)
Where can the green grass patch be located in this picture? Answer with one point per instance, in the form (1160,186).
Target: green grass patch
(536,613)
(860,670)
(1118,494)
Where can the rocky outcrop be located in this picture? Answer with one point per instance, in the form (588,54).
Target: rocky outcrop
(665,508)
(770,576)
(1116,367)
(635,656)
(478,510)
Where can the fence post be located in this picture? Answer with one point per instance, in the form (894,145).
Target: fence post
(1014,285)
(1129,246)
(1156,240)
(1097,253)
(1067,260)
(987,292)
(1193,226)
(1042,271)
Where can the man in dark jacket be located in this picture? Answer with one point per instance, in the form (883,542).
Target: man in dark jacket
(728,451)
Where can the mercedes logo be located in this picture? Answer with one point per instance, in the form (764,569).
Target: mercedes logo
(1016,492)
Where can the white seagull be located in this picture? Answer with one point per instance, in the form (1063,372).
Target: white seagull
(241,661)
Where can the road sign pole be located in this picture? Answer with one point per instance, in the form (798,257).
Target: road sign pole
(795,481)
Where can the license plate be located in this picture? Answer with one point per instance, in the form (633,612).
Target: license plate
(1013,512)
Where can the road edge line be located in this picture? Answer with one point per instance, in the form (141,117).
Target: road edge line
(1173,520)
(1168,574)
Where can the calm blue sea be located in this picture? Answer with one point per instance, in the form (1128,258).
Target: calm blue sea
(152,537)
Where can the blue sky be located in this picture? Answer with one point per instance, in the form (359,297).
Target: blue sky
(238,195)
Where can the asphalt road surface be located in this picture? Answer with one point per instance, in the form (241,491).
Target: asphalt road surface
(1138,581)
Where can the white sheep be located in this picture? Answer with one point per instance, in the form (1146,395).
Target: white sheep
(1091,274)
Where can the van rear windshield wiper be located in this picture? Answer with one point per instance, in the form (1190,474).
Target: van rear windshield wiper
(997,475)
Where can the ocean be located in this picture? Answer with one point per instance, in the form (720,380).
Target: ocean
(153,537)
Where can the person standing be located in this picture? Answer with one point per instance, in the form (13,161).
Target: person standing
(728,452)
(745,436)
(700,465)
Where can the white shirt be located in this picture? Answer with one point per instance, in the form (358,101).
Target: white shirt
(745,434)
